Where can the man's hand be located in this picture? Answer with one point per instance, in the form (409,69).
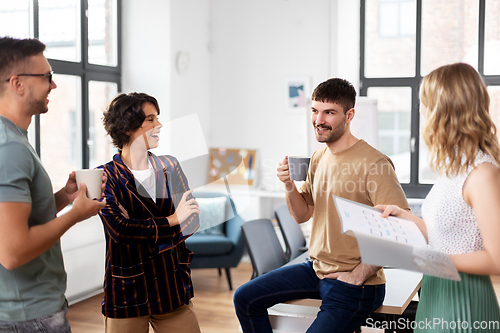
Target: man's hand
(83,207)
(71,187)
(357,276)
(283,174)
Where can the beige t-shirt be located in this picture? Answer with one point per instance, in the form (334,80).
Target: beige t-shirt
(360,173)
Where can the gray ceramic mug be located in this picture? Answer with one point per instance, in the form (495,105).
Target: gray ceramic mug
(298,167)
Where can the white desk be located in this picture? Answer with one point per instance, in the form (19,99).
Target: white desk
(251,203)
(297,315)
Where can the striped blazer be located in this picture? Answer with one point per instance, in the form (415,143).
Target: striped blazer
(147,263)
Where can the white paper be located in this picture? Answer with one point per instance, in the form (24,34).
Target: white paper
(392,241)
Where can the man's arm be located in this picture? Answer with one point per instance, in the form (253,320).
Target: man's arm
(19,244)
(297,205)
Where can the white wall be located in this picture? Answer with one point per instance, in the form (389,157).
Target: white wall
(256,46)
(240,54)
(154,32)
(146,48)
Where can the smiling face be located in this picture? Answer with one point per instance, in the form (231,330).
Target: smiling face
(148,135)
(329,121)
(38,87)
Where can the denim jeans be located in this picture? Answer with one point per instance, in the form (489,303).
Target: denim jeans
(344,307)
(52,323)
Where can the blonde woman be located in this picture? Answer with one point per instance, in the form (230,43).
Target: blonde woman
(461,213)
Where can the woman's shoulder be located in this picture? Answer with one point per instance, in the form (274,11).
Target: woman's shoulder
(485,173)
(166,161)
(482,158)
(106,166)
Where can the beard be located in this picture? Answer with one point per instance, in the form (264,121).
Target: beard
(334,134)
(37,106)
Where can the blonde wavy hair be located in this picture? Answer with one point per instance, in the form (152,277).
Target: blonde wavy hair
(458,124)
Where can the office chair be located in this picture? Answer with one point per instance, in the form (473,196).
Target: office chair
(295,241)
(263,245)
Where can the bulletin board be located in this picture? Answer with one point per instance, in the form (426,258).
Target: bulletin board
(236,166)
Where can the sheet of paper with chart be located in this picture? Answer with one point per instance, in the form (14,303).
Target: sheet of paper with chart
(392,241)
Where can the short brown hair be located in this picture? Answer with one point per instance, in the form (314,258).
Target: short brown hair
(336,90)
(125,114)
(15,54)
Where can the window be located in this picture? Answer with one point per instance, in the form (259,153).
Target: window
(60,130)
(396,18)
(62,43)
(15,18)
(389,57)
(394,106)
(492,39)
(87,72)
(100,148)
(402,41)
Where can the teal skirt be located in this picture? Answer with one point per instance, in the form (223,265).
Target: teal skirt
(469,305)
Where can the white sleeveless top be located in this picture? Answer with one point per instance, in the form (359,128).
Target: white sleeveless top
(451,223)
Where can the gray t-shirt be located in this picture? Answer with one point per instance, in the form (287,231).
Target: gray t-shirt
(36,288)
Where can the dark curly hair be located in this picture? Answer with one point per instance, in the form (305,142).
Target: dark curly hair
(124,114)
(336,91)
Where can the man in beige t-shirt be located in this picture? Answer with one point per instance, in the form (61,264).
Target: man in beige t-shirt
(347,167)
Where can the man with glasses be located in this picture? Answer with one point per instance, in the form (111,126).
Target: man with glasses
(32,276)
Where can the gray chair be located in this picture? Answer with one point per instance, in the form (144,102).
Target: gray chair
(219,251)
(295,241)
(263,246)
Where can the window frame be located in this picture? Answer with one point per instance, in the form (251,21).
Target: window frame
(83,69)
(415,189)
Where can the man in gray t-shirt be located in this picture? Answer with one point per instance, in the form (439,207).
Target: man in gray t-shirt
(32,276)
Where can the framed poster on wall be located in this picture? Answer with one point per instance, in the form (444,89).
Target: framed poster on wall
(236,166)
(298,93)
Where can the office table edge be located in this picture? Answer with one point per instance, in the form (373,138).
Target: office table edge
(387,309)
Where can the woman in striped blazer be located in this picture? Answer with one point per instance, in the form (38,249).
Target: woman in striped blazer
(149,213)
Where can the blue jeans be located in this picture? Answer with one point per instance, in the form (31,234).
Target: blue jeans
(52,323)
(344,307)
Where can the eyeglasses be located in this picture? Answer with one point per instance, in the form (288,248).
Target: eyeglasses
(49,75)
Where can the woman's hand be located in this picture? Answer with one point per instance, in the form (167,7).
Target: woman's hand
(184,209)
(123,211)
(394,210)
(389,210)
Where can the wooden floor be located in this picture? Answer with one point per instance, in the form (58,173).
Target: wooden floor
(213,303)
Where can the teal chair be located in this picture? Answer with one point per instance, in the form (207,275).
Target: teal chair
(222,246)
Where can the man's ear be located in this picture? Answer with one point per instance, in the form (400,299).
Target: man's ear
(16,85)
(350,114)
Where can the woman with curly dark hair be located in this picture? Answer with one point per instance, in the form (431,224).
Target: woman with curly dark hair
(149,213)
